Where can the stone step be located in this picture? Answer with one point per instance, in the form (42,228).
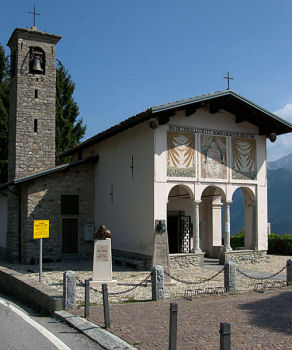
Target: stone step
(138,264)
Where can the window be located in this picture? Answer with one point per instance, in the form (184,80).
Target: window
(69,204)
(35,125)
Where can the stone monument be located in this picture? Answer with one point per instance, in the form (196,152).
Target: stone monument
(160,254)
(102,259)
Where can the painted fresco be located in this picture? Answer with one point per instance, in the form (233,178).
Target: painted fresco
(244,159)
(213,157)
(181,154)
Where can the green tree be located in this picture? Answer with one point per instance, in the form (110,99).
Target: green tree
(69,129)
(4,107)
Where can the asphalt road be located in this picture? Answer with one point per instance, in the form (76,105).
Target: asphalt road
(23,329)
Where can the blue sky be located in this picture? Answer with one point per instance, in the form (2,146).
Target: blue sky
(127,55)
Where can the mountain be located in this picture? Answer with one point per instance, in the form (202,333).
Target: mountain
(284,162)
(279,201)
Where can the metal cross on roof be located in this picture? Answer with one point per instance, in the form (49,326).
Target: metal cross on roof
(34,13)
(228,78)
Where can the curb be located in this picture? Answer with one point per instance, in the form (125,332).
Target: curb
(104,338)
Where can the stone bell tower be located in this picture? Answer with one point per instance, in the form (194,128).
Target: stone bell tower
(31,142)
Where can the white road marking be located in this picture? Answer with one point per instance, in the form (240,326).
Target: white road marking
(51,337)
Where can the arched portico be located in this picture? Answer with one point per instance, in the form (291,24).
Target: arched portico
(210,227)
(250,216)
(179,219)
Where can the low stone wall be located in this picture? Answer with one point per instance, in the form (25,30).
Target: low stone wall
(244,257)
(35,294)
(145,259)
(186,260)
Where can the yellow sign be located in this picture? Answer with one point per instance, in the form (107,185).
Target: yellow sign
(40,229)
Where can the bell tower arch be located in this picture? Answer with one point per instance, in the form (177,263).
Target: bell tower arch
(31,141)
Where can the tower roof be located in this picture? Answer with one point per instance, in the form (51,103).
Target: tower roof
(33,34)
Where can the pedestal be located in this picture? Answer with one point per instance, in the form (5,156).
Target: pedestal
(102,264)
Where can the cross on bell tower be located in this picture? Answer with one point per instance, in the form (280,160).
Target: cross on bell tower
(34,14)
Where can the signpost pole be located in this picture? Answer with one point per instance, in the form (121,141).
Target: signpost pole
(41,259)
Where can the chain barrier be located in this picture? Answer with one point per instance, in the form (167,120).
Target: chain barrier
(80,281)
(190,293)
(195,282)
(261,287)
(260,278)
(144,281)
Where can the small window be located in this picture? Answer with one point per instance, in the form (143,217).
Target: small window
(69,204)
(35,125)
(36,93)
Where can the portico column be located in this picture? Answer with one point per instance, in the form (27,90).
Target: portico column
(227,227)
(197,227)
(255,225)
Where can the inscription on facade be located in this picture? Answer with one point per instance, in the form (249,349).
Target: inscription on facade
(102,253)
(213,132)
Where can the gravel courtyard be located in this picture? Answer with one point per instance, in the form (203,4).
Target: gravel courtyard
(129,277)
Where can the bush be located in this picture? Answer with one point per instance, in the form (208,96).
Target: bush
(280,244)
(237,240)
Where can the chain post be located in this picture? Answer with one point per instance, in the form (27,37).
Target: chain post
(225,343)
(107,322)
(87,300)
(172,326)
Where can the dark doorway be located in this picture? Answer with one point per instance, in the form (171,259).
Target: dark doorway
(69,236)
(179,229)
(173,230)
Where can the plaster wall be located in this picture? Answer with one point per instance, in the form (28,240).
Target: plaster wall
(3,220)
(124,193)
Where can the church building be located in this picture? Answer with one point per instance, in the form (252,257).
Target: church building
(159,180)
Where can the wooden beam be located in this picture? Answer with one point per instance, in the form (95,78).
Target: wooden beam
(239,118)
(190,110)
(213,108)
(164,118)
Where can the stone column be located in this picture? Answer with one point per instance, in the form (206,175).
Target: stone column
(69,290)
(196,227)
(230,276)
(227,227)
(157,281)
(289,272)
(255,225)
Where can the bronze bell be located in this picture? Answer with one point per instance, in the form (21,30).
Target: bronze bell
(36,65)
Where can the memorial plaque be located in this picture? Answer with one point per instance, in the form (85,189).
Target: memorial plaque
(102,253)
(161,254)
(88,232)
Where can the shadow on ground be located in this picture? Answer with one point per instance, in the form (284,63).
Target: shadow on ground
(271,313)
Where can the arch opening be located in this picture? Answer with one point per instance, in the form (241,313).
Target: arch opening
(210,224)
(179,220)
(243,216)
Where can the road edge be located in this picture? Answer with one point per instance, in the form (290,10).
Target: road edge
(104,338)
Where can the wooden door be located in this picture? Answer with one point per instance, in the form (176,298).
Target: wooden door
(70,236)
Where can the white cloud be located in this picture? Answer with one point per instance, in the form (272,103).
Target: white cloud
(283,145)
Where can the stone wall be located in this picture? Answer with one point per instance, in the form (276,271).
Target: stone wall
(29,150)
(244,257)
(186,261)
(42,201)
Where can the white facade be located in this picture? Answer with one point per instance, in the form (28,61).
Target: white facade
(255,190)
(133,187)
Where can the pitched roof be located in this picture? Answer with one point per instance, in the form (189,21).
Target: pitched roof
(241,107)
(56,169)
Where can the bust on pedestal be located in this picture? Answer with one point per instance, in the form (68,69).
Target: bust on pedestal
(102,259)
